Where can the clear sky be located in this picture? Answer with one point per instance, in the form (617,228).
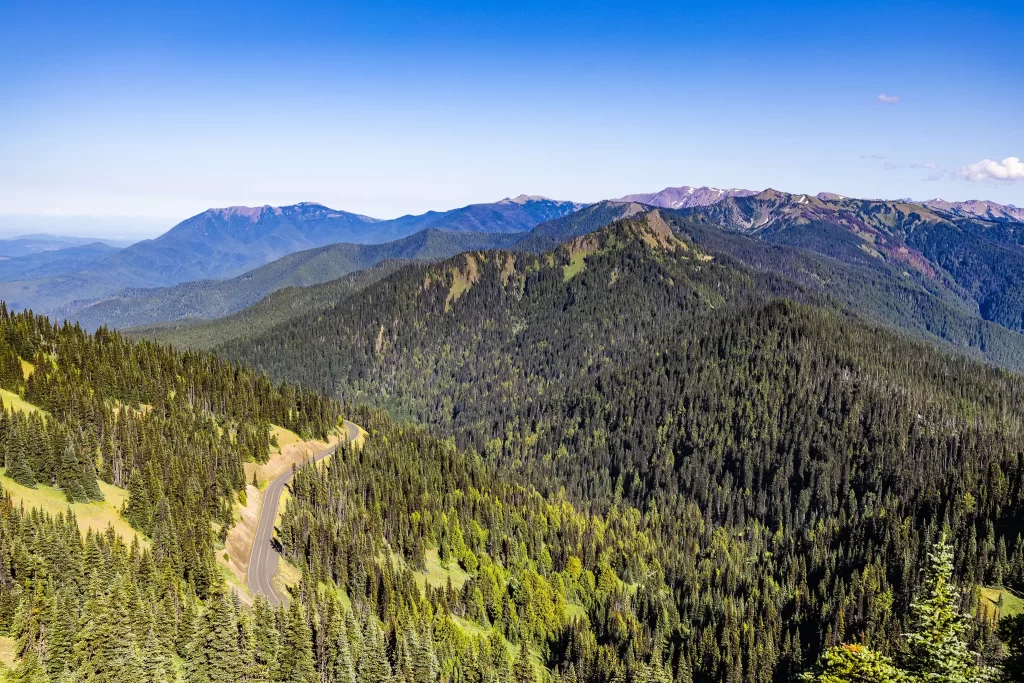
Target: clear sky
(386,108)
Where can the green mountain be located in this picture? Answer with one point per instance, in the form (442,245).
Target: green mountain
(642,459)
(785,463)
(278,308)
(873,288)
(217,298)
(172,311)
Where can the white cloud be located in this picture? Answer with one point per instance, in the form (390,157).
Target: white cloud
(888,99)
(1009,169)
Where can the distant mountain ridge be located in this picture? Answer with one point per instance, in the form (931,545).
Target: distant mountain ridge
(227,242)
(685,197)
(979,260)
(211,264)
(207,299)
(29,245)
(53,261)
(508,215)
(978,208)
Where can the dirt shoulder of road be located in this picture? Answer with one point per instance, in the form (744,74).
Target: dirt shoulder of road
(235,556)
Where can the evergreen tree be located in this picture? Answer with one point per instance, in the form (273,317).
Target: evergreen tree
(1011,631)
(373,665)
(60,634)
(856,664)
(138,510)
(522,670)
(425,666)
(215,656)
(937,650)
(295,661)
(70,474)
(341,665)
(265,639)
(157,665)
(31,618)
(30,670)
(19,469)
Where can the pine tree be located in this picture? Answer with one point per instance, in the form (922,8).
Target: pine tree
(19,470)
(95,651)
(1011,631)
(522,670)
(425,666)
(69,474)
(30,620)
(855,664)
(373,665)
(138,510)
(60,634)
(215,656)
(89,477)
(266,639)
(157,665)
(937,650)
(30,670)
(341,664)
(295,661)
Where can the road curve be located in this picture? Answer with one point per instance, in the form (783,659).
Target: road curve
(264,556)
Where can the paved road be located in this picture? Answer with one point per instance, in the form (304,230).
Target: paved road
(264,556)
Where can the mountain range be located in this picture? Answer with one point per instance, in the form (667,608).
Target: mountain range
(224,243)
(964,259)
(611,458)
(615,441)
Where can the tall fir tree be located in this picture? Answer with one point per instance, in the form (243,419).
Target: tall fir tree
(215,655)
(937,651)
(295,661)
(373,665)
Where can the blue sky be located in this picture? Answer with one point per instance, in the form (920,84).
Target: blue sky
(163,110)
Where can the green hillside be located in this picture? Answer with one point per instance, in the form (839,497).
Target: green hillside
(205,299)
(785,463)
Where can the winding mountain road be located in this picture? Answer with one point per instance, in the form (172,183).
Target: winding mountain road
(264,556)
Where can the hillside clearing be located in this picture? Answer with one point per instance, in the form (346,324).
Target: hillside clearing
(13,401)
(96,515)
(990,606)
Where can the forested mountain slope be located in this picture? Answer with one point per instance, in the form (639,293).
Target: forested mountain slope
(981,261)
(815,456)
(278,308)
(663,468)
(210,299)
(876,289)
(218,298)
(174,429)
(879,291)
